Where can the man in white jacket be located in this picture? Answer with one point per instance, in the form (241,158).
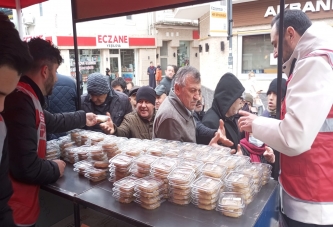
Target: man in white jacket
(304,134)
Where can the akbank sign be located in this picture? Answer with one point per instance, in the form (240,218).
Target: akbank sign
(308,6)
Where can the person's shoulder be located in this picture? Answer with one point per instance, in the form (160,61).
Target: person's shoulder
(122,96)
(65,80)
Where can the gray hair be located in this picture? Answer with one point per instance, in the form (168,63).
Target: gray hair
(187,71)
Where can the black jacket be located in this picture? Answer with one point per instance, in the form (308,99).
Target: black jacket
(166,81)
(202,131)
(20,118)
(227,91)
(62,100)
(6,214)
(116,103)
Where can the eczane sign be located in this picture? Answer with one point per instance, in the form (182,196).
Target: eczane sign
(309,6)
(112,41)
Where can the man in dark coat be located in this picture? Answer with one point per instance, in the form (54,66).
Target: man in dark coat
(226,104)
(63,99)
(28,124)
(102,99)
(151,71)
(14,60)
(167,79)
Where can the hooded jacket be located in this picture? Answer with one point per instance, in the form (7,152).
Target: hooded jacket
(227,91)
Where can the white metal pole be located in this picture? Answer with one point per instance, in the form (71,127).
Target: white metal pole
(19,17)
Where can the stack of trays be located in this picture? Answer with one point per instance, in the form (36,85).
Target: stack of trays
(242,184)
(180,180)
(149,192)
(141,166)
(123,190)
(120,166)
(205,192)
(231,204)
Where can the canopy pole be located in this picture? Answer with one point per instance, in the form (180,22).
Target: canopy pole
(76,54)
(19,18)
(280,61)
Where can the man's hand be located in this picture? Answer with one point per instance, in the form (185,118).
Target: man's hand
(91,119)
(223,139)
(245,122)
(61,165)
(239,151)
(269,155)
(108,126)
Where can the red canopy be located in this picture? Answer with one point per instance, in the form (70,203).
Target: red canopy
(24,3)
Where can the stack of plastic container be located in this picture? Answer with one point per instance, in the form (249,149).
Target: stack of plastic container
(120,167)
(123,190)
(255,171)
(82,166)
(241,183)
(208,157)
(132,150)
(149,192)
(95,174)
(229,161)
(190,154)
(231,204)
(161,169)
(52,150)
(75,136)
(205,192)
(191,164)
(156,151)
(220,150)
(64,144)
(180,180)
(172,153)
(266,172)
(96,153)
(96,137)
(141,165)
(71,155)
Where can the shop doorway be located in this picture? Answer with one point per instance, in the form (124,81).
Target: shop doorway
(115,66)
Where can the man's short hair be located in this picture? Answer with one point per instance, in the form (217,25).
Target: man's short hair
(185,72)
(119,81)
(14,52)
(44,53)
(130,82)
(293,18)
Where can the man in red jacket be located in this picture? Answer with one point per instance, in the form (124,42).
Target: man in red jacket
(14,59)
(27,123)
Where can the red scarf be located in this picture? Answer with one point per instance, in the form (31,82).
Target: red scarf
(255,152)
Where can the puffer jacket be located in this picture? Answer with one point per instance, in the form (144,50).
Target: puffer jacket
(116,103)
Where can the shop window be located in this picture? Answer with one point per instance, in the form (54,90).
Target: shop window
(257,54)
(183,53)
(89,61)
(127,64)
(114,51)
(129,17)
(164,48)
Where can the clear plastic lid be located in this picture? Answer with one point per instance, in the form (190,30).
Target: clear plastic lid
(95,174)
(148,184)
(204,206)
(197,200)
(135,168)
(156,151)
(102,118)
(221,150)
(164,165)
(149,206)
(238,180)
(253,170)
(190,154)
(242,160)
(188,146)
(178,191)
(121,161)
(203,148)
(133,151)
(187,163)
(265,167)
(83,163)
(172,153)
(207,157)
(214,170)
(123,199)
(231,201)
(126,184)
(181,176)
(230,161)
(206,185)
(179,201)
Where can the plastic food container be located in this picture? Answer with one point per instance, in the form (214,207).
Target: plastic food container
(148,184)
(238,180)
(203,206)
(95,175)
(145,161)
(229,161)
(190,154)
(255,171)
(214,170)
(231,204)
(242,160)
(172,153)
(164,165)
(156,151)
(102,118)
(123,199)
(126,184)
(194,164)
(207,157)
(149,206)
(133,151)
(181,176)
(206,185)
(179,201)
(121,161)
(220,150)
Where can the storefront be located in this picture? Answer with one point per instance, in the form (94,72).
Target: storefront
(127,57)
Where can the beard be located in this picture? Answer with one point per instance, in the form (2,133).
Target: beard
(49,83)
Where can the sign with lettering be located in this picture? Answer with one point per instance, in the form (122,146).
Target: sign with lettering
(218,20)
(309,6)
(112,41)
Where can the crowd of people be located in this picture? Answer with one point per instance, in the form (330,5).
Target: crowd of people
(173,108)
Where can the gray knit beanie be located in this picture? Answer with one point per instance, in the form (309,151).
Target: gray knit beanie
(97,84)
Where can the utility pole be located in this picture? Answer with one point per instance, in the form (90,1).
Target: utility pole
(230,23)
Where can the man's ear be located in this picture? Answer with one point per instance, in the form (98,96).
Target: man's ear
(290,33)
(44,71)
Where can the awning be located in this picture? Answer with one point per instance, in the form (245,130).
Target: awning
(24,3)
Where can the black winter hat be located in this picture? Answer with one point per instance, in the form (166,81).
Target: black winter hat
(146,93)
(273,87)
